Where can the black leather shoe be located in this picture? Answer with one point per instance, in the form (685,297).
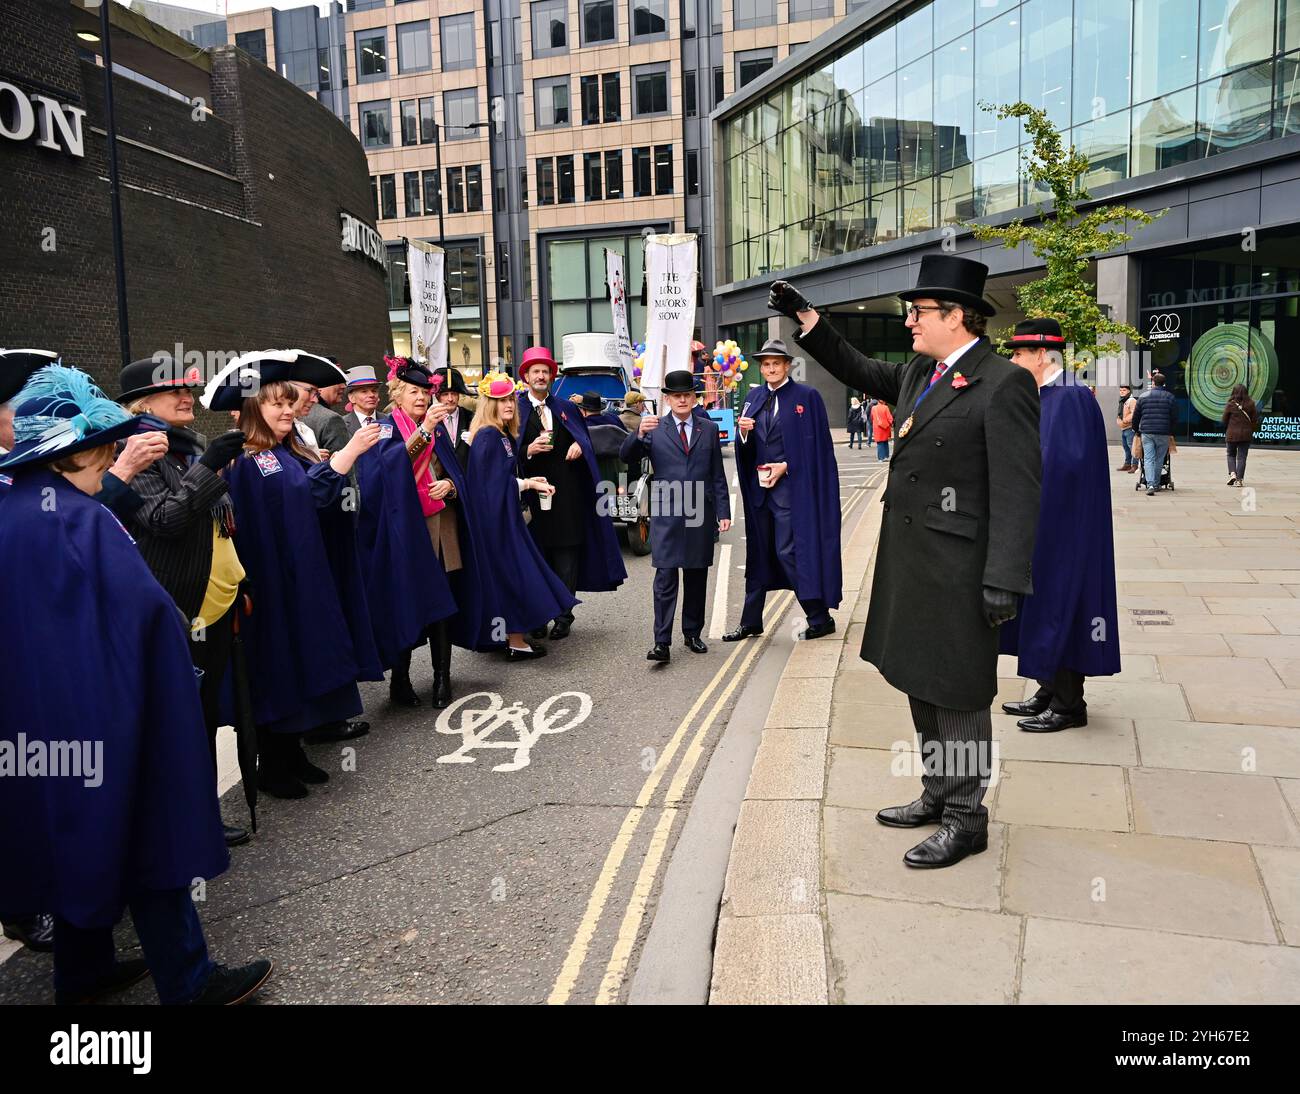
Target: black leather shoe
(912,815)
(560,629)
(281,786)
(821,630)
(441,690)
(339,731)
(742,632)
(661,652)
(307,772)
(1051,721)
(230,987)
(124,974)
(946,847)
(1027,709)
(401,694)
(235,837)
(696,644)
(36,932)
(532,654)
(537,634)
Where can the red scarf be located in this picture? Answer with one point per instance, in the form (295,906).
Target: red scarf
(422,465)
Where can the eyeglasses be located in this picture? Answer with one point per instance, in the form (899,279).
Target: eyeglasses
(914,312)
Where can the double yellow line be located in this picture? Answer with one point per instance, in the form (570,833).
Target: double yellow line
(634,914)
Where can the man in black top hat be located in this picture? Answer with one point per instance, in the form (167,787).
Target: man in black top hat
(956,536)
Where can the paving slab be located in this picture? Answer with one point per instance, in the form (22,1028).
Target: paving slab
(1253,605)
(1109,697)
(1101,741)
(859,725)
(791,764)
(1222,703)
(870,779)
(774,865)
(1157,640)
(1220,746)
(1211,805)
(777,959)
(801,702)
(1249,673)
(1288,670)
(868,688)
(1260,645)
(1061,795)
(899,953)
(811,659)
(1280,867)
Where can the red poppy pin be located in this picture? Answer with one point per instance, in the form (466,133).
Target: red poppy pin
(563,416)
(798,408)
(958,380)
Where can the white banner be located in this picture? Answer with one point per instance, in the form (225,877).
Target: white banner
(425,268)
(618,306)
(670,272)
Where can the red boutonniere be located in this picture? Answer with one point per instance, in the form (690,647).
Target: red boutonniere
(563,416)
(959,381)
(798,408)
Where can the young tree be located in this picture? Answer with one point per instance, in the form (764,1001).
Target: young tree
(1066,240)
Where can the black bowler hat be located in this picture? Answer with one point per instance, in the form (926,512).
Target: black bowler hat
(242,378)
(1037,334)
(591,401)
(679,382)
(452,380)
(18,365)
(947,277)
(161,372)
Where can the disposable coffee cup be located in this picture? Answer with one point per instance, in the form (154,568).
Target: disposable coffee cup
(545,501)
(764,474)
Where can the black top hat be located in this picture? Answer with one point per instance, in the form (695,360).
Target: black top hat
(774,347)
(452,380)
(679,381)
(17,367)
(242,378)
(1037,334)
(947,277)
(592,401)
(158,373)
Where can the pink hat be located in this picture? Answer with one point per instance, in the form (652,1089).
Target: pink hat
(537,355)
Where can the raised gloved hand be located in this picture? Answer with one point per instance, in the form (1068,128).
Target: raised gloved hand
(787,300)
(1000,606)
(221,450)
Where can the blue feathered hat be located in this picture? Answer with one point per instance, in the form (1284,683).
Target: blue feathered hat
(60,412)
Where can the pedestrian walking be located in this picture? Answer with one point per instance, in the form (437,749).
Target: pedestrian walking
(1240,420)
(1124,419)
(882,428)
(1153,422)
(956,535)
(690,506)
(855,421)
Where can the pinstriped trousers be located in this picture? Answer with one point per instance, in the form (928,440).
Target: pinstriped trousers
(956,753)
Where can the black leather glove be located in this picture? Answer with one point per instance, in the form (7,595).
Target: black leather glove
(787,300)
(221,450)
(1000,606)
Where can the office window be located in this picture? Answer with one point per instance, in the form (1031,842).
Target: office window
(426,120)
(376,124)
(459,113)
(688,18)
(546,182)
(432,193)
(692,106)
(410,122)
(372,54)
(589,93)
(754,13)
(649,90)
(551,102)
(597,21)
(649,18)
(411,184)
(614,174)
(503,272)
(455,189)
(387,196)
(564,174)
(414,53)
(719,88)
(374,194)
(252,42)
(752,64)
(640,172)
(456,32)
(474,189)
(611,84)
(692,172)
(500,198)
(802,10)
(663,169)
(591,189)
(550,28)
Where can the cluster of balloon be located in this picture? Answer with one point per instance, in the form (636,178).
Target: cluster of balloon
(728,362)
(638,360)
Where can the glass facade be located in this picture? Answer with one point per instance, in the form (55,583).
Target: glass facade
(887,138)
(575,272)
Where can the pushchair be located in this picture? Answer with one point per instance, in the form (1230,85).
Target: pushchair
(1166,475)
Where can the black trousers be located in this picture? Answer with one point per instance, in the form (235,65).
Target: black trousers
(777,526)
(1064,692)
(210,651)
(564,562)
(957,759)
(694,583)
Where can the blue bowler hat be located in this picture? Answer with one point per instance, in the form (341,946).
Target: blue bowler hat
(244,376)
(61,412)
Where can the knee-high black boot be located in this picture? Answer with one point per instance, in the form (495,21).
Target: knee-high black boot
(400,692)
(440,654)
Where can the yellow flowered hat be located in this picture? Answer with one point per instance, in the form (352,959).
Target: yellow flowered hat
(496,385)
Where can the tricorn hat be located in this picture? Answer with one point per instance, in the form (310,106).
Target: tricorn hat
(537,355)
(161,372)
(242,378)
(17,367)
(1037,334)
(678,382)
(949,277)
(452,380)
(774,347)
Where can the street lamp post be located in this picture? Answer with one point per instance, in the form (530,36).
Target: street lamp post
(114,186)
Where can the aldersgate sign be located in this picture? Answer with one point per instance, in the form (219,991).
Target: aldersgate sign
(23,116)
(359,236)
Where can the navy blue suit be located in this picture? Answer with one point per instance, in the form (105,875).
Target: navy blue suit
(688,498)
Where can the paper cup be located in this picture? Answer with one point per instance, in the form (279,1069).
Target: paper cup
(764,474)
(545,501)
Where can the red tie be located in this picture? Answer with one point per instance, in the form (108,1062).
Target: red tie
(940,368)
(685,443)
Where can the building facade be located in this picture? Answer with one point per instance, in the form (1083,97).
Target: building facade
(840,166)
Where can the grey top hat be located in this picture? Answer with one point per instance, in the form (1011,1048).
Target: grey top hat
(362,374)
(774,347)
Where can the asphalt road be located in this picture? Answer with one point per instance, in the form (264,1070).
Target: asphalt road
(410,879)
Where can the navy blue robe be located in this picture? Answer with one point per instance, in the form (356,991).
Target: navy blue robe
(814,496)
(406,586)
(600,566)
(1070,620)
(301,659)
(95,651)
(467,582)
(521,592)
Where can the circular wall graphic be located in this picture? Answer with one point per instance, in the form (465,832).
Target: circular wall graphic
(1220,360)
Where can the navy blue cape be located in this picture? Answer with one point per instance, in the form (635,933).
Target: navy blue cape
(96,652)
(467,582)
(814,497)
(1070,620)
(406,587)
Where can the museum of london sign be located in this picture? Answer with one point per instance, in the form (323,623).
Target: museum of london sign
(24,116)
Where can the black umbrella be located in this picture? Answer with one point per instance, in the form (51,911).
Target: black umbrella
(245,725)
